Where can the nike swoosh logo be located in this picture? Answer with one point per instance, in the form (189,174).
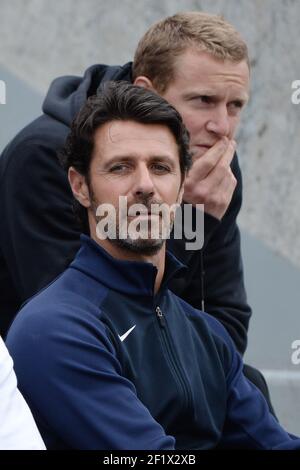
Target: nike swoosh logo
(124,336)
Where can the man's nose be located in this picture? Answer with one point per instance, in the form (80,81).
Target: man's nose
(143,181)
(219,122)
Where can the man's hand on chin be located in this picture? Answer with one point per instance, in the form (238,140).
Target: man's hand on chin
(210,181)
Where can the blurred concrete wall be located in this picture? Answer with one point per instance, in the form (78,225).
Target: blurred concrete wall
(40,40)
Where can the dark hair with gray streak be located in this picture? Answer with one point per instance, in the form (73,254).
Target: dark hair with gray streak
(118,101)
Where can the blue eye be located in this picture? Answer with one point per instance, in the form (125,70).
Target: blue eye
(160,168)
(121,167)
(237,104)
(200,100)
(206,99)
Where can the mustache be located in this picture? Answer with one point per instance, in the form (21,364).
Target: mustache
(146,201)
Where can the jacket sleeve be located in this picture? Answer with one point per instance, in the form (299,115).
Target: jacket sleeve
(69,373)
(39,230)
(249,423)
(219,268)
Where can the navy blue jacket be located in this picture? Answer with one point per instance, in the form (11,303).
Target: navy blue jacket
(39,233)
(106,364)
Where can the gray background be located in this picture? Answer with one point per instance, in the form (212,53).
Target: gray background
(40,40)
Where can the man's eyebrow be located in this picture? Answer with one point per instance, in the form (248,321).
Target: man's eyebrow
(129,157)
(200,92)
(244,97)
(120,158)
(165,158)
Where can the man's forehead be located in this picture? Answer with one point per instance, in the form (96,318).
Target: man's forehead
(125,132)
(198,67)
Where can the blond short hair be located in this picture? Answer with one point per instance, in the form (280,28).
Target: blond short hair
(165,40)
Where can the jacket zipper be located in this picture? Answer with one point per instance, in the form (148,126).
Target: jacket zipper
(174,361)
(202,273)
(160,317)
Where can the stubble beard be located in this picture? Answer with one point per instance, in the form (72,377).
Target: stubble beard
(143,246)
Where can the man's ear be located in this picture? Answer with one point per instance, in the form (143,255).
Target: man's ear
(144,82)
(79,187)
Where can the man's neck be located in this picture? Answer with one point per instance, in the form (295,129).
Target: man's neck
(157,259)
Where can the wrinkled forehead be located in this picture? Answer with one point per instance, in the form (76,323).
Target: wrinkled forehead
(194,66)
(118,132)
(136,138)
(124,132)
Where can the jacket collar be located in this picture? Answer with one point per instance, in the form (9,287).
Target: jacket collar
(127,277)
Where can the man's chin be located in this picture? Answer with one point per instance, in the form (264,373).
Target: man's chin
(139,246)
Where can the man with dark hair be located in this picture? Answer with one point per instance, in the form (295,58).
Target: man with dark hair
(200,64)
(118,360)
(77,152)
